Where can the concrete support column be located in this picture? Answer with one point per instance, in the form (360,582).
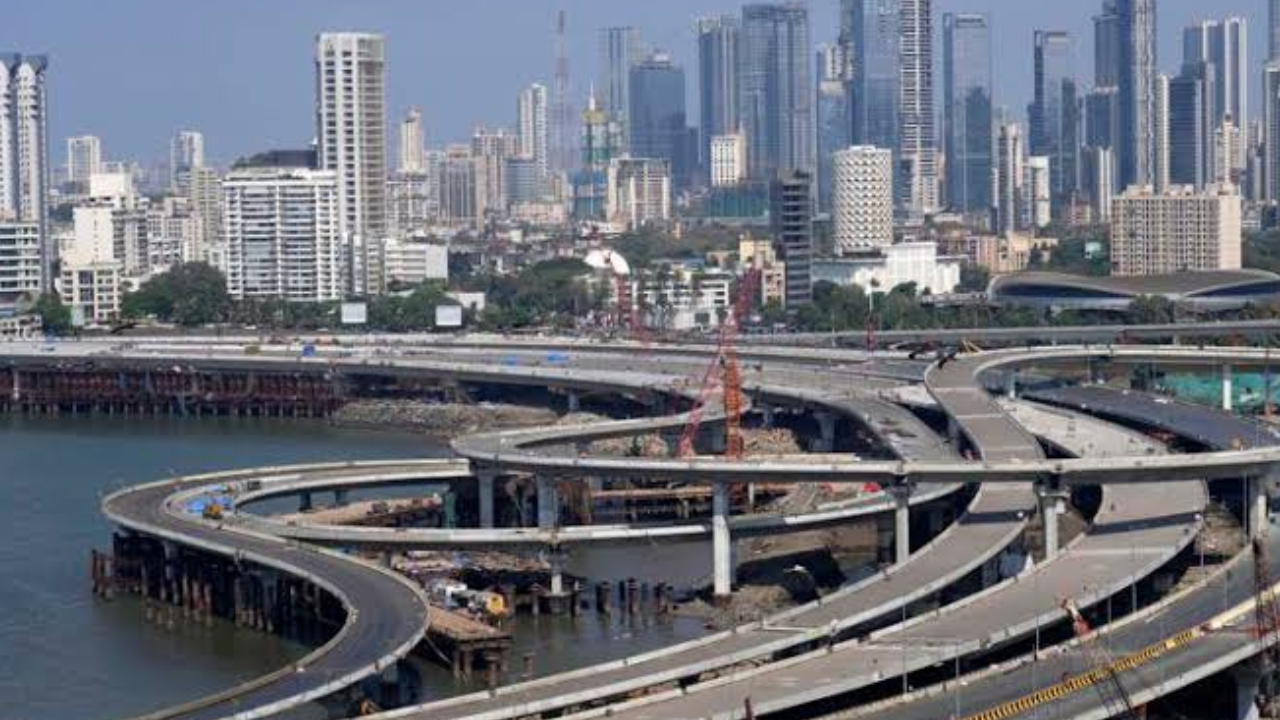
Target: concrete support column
(304,502)
(548,504)
(1257,506)
(826,432)
(1228,388)
(1052,504)
(340,497)
(768,415)
(721,542)
(574,401)
(17,385)
(555,558)
(1011,384)
(485,480)
(901,495)
(1248,679)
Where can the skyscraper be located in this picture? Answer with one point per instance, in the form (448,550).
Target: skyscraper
(621,48)
(413,144)
(1191,127)
(833,117)
(1271,130)
(874,95)
(776,89)
(1054,116)
(1137,72)
(186,153)
(1222,47)
(24,150)
(967,111)
(1273,30)
(717,79)
(1010,176)
(84,159)
(351,120)
(531,111)
(601,143)
(658,125)
(918,148)
(564,143)
(1106,46)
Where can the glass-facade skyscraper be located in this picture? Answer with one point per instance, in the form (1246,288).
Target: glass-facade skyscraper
(1137,73)
(658,125)
(874,88)
(1054,115)
(775,89)
(967,111)
(717,80)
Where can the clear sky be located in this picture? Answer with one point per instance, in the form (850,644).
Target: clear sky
(134,71)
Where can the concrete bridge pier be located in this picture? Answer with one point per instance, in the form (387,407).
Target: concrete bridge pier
(721,542)
(1248,678)
(1228,387)
(768,416)
(574,401)
(548,503)
(826,432)
(1011,384)
(304,501)
(340,497)
(901,494)
(558,597)
(1257,504)
(1053,502)
(485,481)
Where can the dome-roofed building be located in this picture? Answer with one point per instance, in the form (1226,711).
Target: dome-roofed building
(1214,291)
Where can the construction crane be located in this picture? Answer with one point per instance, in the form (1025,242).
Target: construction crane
(1266,609)
(724,375)
(1111,688)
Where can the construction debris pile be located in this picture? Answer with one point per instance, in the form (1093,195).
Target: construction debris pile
(441,419)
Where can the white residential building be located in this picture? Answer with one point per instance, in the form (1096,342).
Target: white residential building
(92,290)
(352,118)
(84,159)
(531,127)
(1178,230)
(639,192)
(1009,178)
(1037,203)
(862,199)
(186,153)
(413,261)
(683,299)
(24,155)
(282,229)
(728,160)
(912,262)
(413,143)
(19,262)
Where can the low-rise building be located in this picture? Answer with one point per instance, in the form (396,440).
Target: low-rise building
(413,261)
(92,290)
(915,263)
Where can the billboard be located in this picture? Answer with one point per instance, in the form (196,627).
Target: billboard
(448,316)
(355,313)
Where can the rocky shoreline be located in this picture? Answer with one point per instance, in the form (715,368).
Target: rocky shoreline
(446,420)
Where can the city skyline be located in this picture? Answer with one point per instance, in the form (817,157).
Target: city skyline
(201,76)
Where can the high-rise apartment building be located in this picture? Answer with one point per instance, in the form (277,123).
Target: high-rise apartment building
(1037,188)
(1054,115)
(967,111)
(532,129)
(458,187)
(621,48)
(1137,73)
(1271,130)
(658,124)
(84,159)
(186,153)
(918,147)
(862,199)
(791,217)
(775,88)
(24,150)
(832,116)
(413,143)
(1179,230)
(282,232)
(717,79)
(1010,176)
(1273,30)
(601,143)
(351,118)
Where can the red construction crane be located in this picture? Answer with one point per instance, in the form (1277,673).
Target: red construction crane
(724,375)
(1114,695)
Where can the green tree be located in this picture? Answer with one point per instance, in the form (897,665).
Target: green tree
(191,294)
(1152,310)
(55,316)
(974,278)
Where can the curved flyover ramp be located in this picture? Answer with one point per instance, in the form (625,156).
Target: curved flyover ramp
(385,615)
